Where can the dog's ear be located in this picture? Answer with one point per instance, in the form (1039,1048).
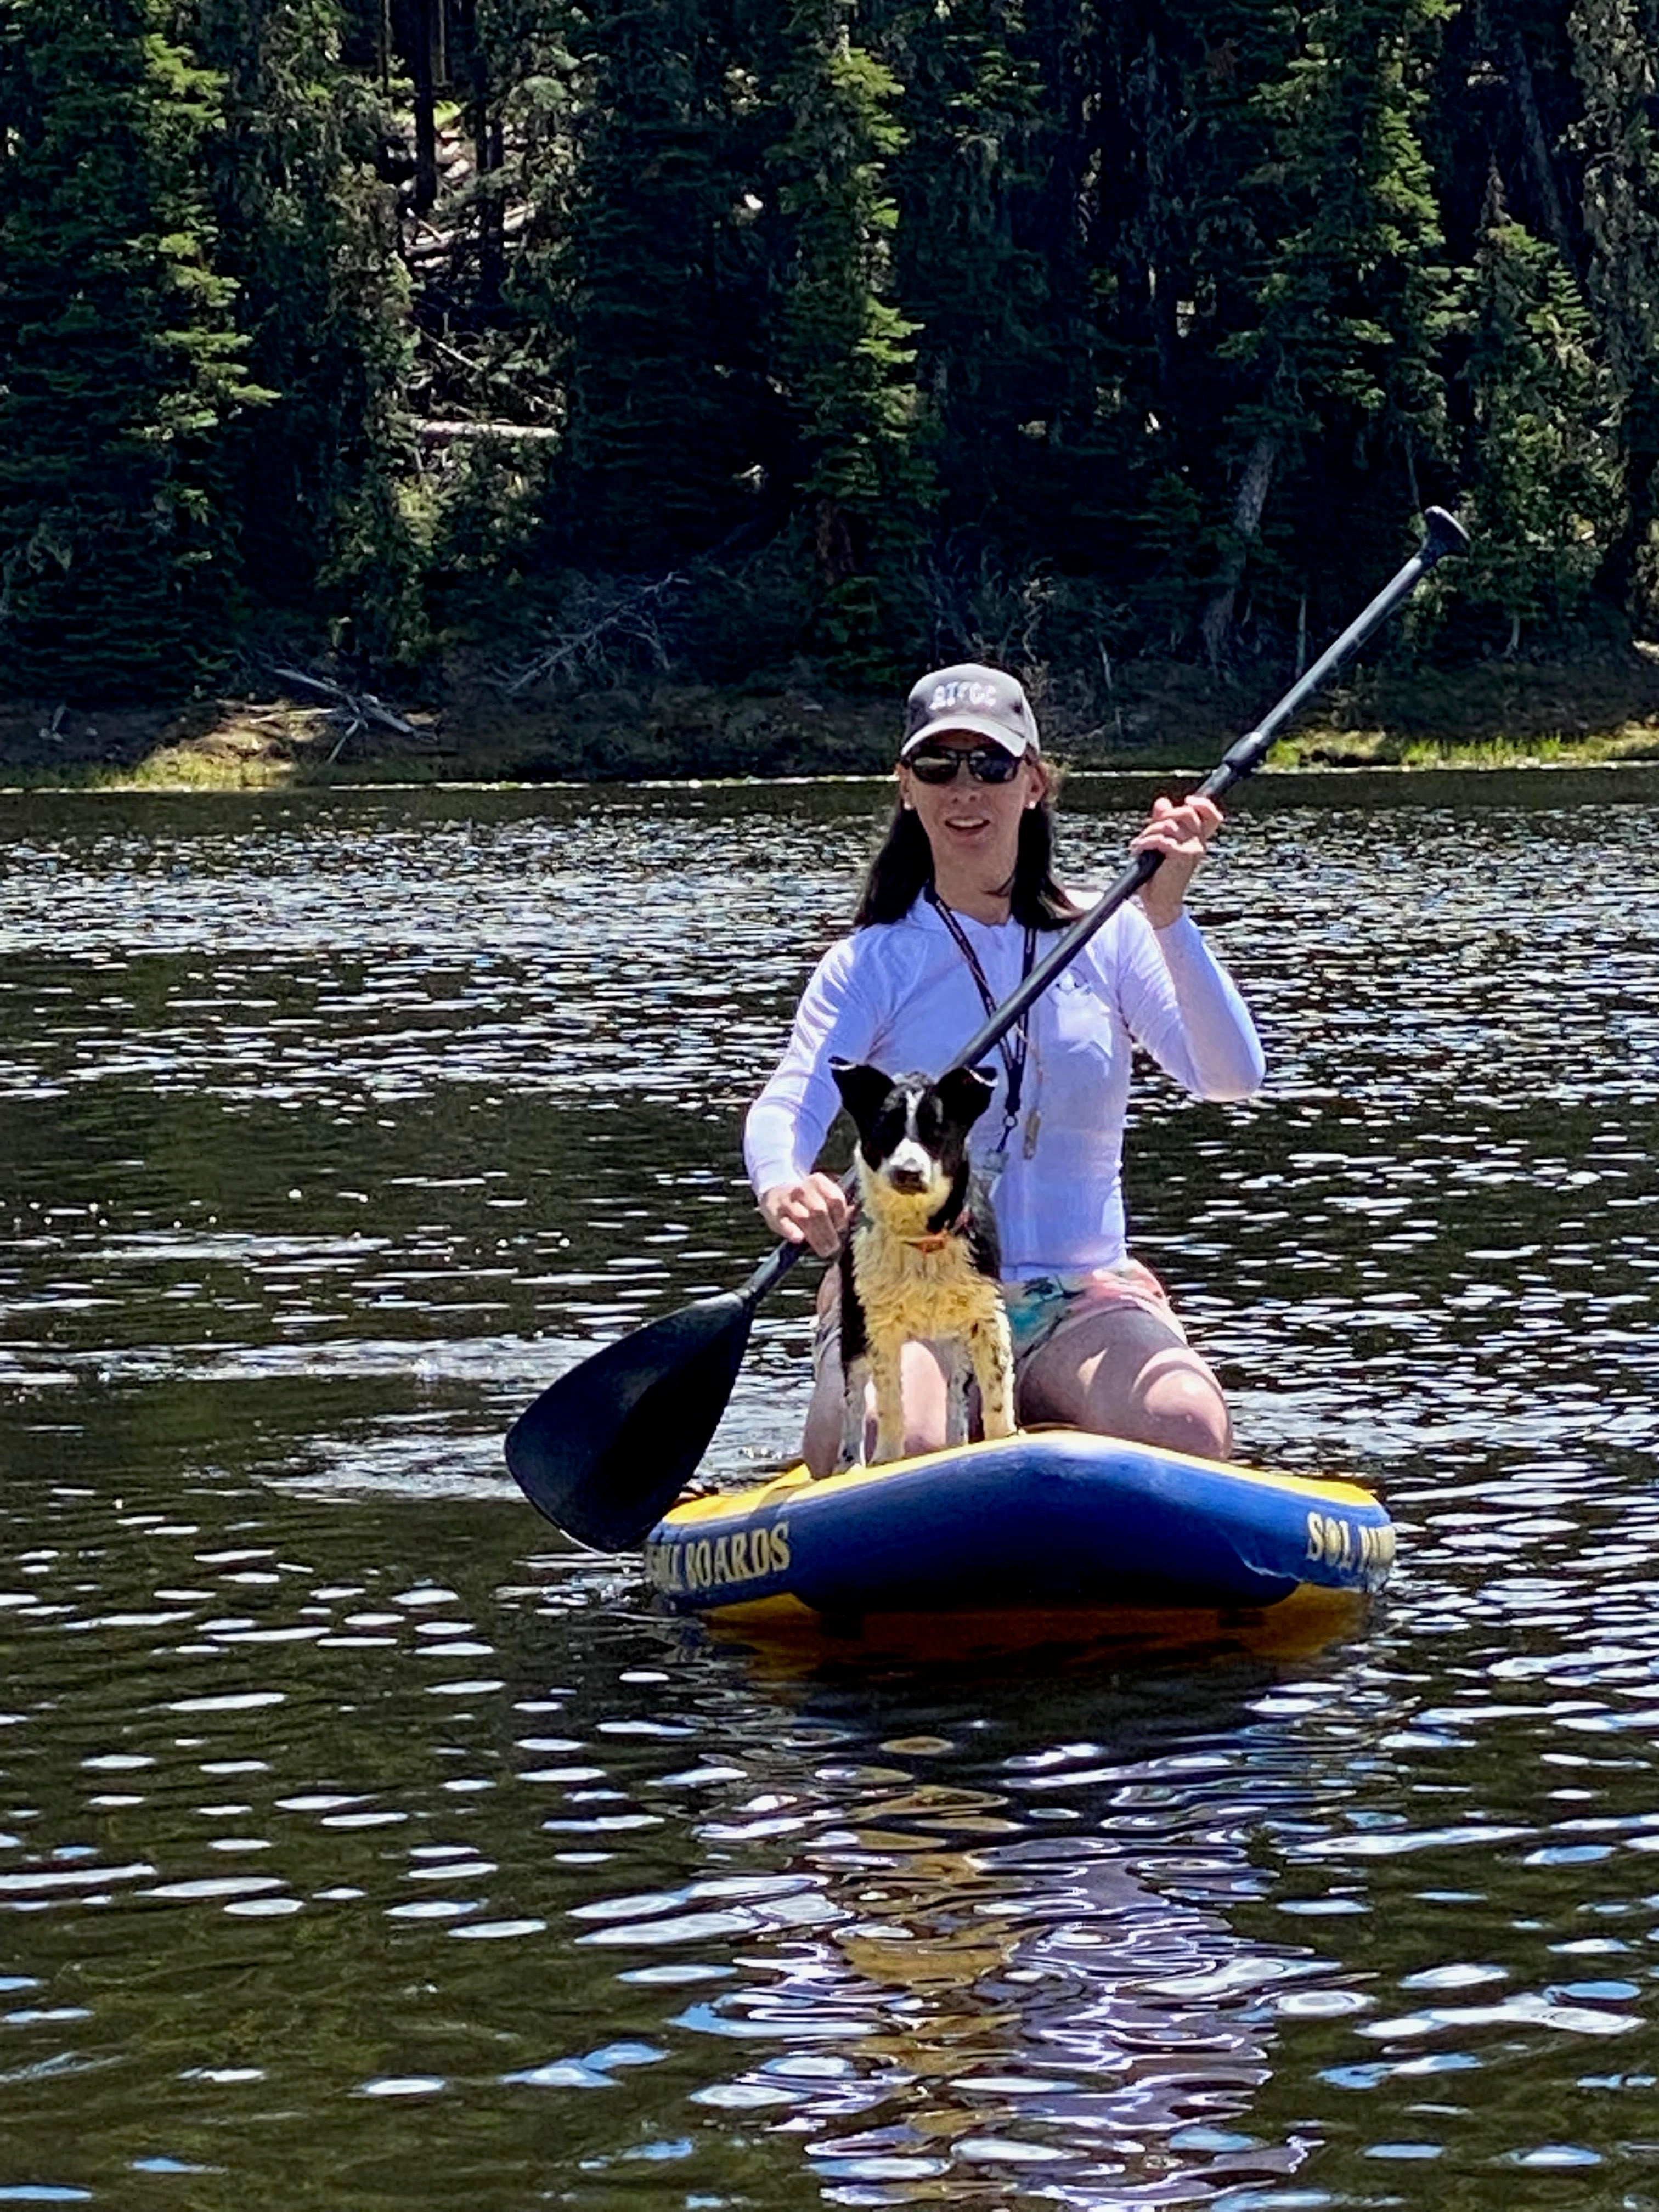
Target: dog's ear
(864,1089)
(965,1093)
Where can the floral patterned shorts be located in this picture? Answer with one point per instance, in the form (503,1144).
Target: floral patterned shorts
(1039,1305)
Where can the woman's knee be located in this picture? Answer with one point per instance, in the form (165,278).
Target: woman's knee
(1180,1406)
(1138,1382)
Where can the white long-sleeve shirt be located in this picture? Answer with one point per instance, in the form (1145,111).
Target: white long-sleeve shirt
(901,995)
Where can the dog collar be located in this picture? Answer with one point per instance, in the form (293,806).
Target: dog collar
(935,1240)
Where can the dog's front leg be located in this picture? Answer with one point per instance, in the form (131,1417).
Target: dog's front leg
(886,1368)
(855,1418)
(990,1346)
(956,1398)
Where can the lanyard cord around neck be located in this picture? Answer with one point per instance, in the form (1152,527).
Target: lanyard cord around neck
(1014,1057)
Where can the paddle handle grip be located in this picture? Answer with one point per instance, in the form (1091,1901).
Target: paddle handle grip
(1442,535)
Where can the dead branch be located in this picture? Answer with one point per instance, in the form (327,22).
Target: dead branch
(602,626)
(350,711)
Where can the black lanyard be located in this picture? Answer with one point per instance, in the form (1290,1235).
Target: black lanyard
(1014,1058)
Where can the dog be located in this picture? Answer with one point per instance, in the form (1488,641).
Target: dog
(923,1257)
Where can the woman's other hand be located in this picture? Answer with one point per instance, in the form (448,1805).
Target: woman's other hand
(813,1211)
(1182,831)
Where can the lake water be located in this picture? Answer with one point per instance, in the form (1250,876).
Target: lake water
(362,1845)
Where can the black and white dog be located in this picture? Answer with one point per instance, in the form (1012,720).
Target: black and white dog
(923,1259)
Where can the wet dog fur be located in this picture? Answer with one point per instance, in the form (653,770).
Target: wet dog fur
(923,1258)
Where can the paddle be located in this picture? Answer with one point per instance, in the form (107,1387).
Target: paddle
(605,1451)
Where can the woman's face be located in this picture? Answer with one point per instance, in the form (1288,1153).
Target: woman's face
(972,827)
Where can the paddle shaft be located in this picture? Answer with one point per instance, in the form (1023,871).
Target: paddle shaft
(1442,535)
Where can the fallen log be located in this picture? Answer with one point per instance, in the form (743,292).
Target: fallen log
(432,432)
(354,710)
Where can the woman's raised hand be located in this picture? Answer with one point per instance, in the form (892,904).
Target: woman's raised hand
(813,1211)
(1180,830)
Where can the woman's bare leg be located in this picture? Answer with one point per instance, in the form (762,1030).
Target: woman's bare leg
(1120,1371)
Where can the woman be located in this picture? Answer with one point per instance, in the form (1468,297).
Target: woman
(954,911)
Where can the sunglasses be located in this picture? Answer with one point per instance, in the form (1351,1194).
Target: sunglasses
(985,763)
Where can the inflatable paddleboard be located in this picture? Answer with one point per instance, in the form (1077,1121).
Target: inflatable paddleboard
(1052,1525)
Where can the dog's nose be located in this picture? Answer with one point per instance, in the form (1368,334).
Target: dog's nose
(904,1178)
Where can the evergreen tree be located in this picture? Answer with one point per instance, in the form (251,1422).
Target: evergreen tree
(864,475)
(1615,46)
(1522,58)
(1331,297)
(661,291)
(504,211)
(119,363)
(1545,481)
(308,232)
(964,178)
(490,327)
(1157,188)
(943,310)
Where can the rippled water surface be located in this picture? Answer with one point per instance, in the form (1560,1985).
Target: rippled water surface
(361,1845)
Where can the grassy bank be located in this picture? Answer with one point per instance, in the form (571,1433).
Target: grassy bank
(1151,715)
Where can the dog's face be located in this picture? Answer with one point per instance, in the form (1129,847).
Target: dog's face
(913,1134)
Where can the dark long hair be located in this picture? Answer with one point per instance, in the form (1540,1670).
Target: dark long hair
(904,868)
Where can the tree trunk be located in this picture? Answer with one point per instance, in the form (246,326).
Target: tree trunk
(423,14)
(1539,161)
(1252,498)
(489,153)
(1158,126)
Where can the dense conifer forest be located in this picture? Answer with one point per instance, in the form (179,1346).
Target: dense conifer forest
(757,341)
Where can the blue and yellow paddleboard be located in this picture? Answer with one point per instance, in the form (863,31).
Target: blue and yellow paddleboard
(1053,1526)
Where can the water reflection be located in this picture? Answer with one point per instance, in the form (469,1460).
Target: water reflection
(358,1841)
(1002,1956)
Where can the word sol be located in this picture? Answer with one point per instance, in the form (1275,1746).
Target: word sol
(1348,1546)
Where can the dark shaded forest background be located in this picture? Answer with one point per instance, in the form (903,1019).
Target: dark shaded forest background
(752,341)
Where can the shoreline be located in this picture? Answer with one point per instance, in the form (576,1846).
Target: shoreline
(1490,761)
(1158,718)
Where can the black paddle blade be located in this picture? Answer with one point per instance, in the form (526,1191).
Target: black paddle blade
(606,1450)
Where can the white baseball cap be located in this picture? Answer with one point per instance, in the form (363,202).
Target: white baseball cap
(987,701)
